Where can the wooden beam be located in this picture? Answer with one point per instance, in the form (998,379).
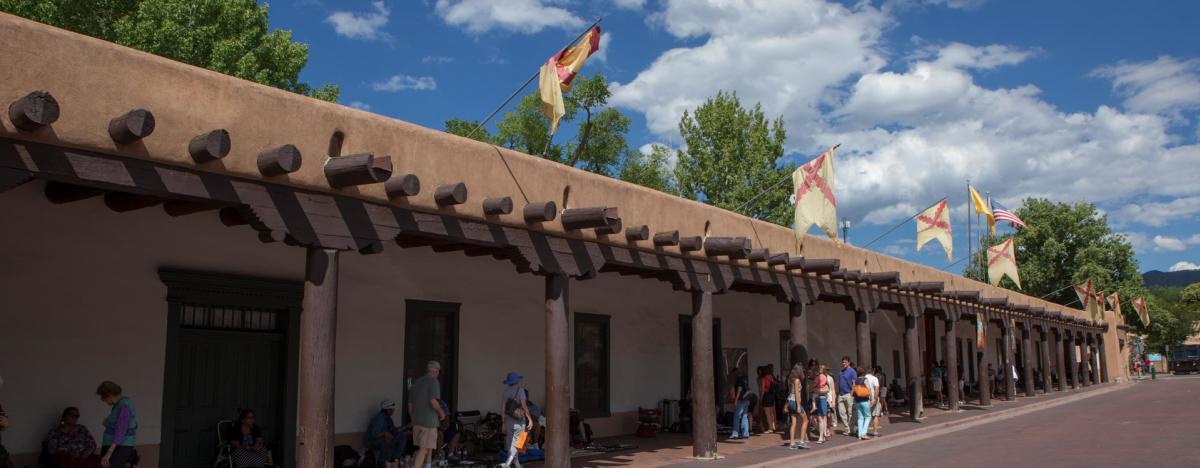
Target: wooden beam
(613,227)
(640,232)
(969,296)
(59,193)
(450,194)
(231,216)
(122,202)
(131,126)
(590,217)
(952,390)
(403,185)
(778,259)
(793,263)
(666,238)
(759,255)
(318,357)
(884,278)
(209,146)
(539,212)
(33,111)
(357,169)
(496,206)
(704,408)
(994,301)
(923,286)
(732,247)
(558,378)
(279,160)
(912,374)
(175,208)
(819,265)
(690,244)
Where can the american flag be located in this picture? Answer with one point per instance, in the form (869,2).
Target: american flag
(1002,214)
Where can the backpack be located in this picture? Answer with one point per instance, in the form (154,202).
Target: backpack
(512,407)
(860,389)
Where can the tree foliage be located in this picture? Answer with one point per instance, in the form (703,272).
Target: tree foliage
(731,156)
(226,36)
(1174,313)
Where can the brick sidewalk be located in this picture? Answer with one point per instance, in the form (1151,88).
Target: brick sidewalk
(675,449)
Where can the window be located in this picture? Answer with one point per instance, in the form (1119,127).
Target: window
(228,318)
(592,343)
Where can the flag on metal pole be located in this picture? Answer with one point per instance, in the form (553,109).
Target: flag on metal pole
(1000,213)
(1114,302)
(1002,260)
(815,201)
(1090,299)
(556,75)
(1139,304)
(981,207)
(934,223)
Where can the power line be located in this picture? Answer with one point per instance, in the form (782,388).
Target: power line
(773,187)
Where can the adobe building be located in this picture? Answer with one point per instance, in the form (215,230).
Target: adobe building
(211,244)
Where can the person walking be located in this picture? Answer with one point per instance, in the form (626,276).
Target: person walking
(876,396)
(120,427)
(795,400)
(845,401)
(820,398)
(426,413)
(863,400)
(831,397)
(767,386)
(741,409)
(515,408)
(935,381)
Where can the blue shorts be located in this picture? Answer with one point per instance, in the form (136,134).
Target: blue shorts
(791,406)
(822,406)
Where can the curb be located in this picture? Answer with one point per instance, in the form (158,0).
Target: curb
(841,454)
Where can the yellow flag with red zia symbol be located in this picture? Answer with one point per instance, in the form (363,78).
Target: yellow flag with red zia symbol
(1002,261)
(934,223)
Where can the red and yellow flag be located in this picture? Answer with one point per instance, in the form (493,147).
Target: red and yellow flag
(1140,305)
(556,75)
(934,223)
(1114,304)
(815,202)
(1002,260)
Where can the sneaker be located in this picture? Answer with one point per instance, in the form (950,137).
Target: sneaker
(802,447)
(790,446)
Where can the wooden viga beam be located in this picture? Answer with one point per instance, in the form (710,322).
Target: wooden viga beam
(759,255)
(778,259)
(884,278)
(848,275)
(994,301)
(33,111)
(968,296)
(637,233)
(1019,307)
(589,218)
(666,238)
(813,265)
(732,247)
(924,286)
(357,169)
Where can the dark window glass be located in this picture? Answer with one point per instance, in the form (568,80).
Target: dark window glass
(591,365)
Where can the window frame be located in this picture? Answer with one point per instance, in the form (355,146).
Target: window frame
(605,322)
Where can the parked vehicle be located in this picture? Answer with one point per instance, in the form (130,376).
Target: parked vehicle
(1185,359)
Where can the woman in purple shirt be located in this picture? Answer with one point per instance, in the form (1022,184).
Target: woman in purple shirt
(120,427)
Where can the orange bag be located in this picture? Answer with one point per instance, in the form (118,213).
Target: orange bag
(523,442)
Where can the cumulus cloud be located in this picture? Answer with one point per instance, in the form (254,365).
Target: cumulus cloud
(436,59)
(406,82)
(359,105)
(1166,84)
(605,42)
(1159,214)
(1169,244)
(1138,240)
(911,130)
(357,25)
(1184,265)
(630,4)
(521,16)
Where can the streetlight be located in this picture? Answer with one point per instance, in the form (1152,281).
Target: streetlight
(846,230)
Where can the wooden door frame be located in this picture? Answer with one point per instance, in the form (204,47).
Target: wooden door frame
(455,311)
(192,286)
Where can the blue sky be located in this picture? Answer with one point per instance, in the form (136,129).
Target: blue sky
(1064,100)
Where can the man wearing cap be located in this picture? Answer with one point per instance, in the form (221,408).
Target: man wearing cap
(382,438)
(513,427)
(426,412)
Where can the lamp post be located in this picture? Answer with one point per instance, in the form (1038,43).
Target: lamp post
(846,230)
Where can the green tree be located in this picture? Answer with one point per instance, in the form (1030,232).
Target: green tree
(650,170)
(1066,244)
(1174,313)
(732,155)
(226,36)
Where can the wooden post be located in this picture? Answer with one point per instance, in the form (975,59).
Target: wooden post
(1047,382)
(913,374)
(984,381)
(799,335)
(862,329)
(1084,363)
(1010,385)
(1103,359)
(558,395)
(1060,360)
(1027,358)
(1092,356)
(318,330)
(704,406)
(952,361)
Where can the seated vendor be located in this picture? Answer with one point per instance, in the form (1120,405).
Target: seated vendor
(70,443)
(385,441)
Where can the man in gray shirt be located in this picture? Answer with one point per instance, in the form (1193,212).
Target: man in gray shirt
(426,413)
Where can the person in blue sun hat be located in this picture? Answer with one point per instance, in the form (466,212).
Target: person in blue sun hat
(516,415)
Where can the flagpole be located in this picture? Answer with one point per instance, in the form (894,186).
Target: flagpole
(530,80)
(970,247)
(991,225)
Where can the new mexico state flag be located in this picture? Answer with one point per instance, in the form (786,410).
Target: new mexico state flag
(1002,260)
(934,223)
(815,202)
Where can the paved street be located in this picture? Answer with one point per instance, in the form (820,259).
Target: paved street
(1151,424)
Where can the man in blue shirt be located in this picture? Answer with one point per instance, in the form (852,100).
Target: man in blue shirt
(845,399)
(382,438)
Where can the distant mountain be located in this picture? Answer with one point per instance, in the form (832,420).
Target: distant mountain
(1174,278)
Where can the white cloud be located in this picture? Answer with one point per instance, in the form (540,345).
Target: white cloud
(911,133)
(1169,244)
(1165,85)
(405,82)
(959,4)
(436,59)
(1184,265)
(605,42)
(359,105)
(361,25)
(521,16)
(1159,214)
(630,4)
(1138,240)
